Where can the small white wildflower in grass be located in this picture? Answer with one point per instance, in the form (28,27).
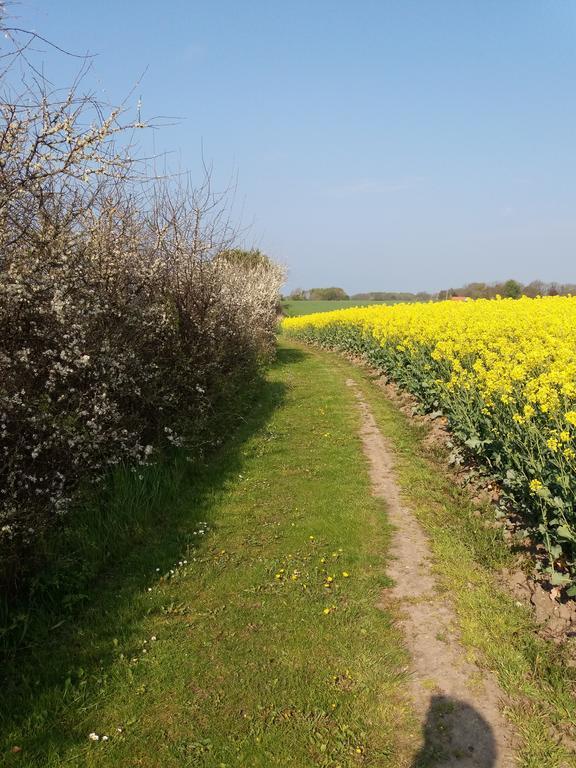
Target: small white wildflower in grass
(93,736)
(153,637)
(104,738)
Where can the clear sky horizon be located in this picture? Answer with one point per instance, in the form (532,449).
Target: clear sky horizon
(377,145)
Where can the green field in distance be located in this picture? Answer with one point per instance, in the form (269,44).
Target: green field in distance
(292,308)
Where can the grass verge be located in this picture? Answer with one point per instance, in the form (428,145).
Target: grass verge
(241,629)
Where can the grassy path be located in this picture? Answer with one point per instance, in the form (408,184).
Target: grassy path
(251,638)
(242,629)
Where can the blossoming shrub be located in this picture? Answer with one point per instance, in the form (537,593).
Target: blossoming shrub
(503,372)
(121,327)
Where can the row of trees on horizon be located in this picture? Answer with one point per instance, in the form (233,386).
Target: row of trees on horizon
(508,289)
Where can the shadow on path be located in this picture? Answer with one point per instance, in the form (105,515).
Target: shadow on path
(456,735)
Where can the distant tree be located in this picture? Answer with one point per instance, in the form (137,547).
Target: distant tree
(535,288)
(328,294)
(298,294)
(553,290)
(249,258)
(474,290)
(512,289)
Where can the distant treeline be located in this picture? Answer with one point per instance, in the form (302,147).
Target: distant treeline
(339,294)
(507,288)
(393,296)
(318,294)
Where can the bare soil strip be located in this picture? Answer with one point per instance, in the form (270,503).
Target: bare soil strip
(459,703)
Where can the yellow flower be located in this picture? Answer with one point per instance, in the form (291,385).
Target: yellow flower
(345,574)
(529,411)
(481,363)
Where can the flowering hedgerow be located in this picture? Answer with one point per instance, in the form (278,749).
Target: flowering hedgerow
(121,320)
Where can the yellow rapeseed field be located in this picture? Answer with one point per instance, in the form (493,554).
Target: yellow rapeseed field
(503,372)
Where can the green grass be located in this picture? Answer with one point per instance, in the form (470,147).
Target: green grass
(250,667)
(247,669)
(469,554)
(294,308)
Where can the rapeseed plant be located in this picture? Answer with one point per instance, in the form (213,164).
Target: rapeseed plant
(504,374)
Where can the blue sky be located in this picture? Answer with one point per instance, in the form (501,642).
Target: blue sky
(377,145)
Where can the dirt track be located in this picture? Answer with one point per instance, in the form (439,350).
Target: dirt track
(460,706)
